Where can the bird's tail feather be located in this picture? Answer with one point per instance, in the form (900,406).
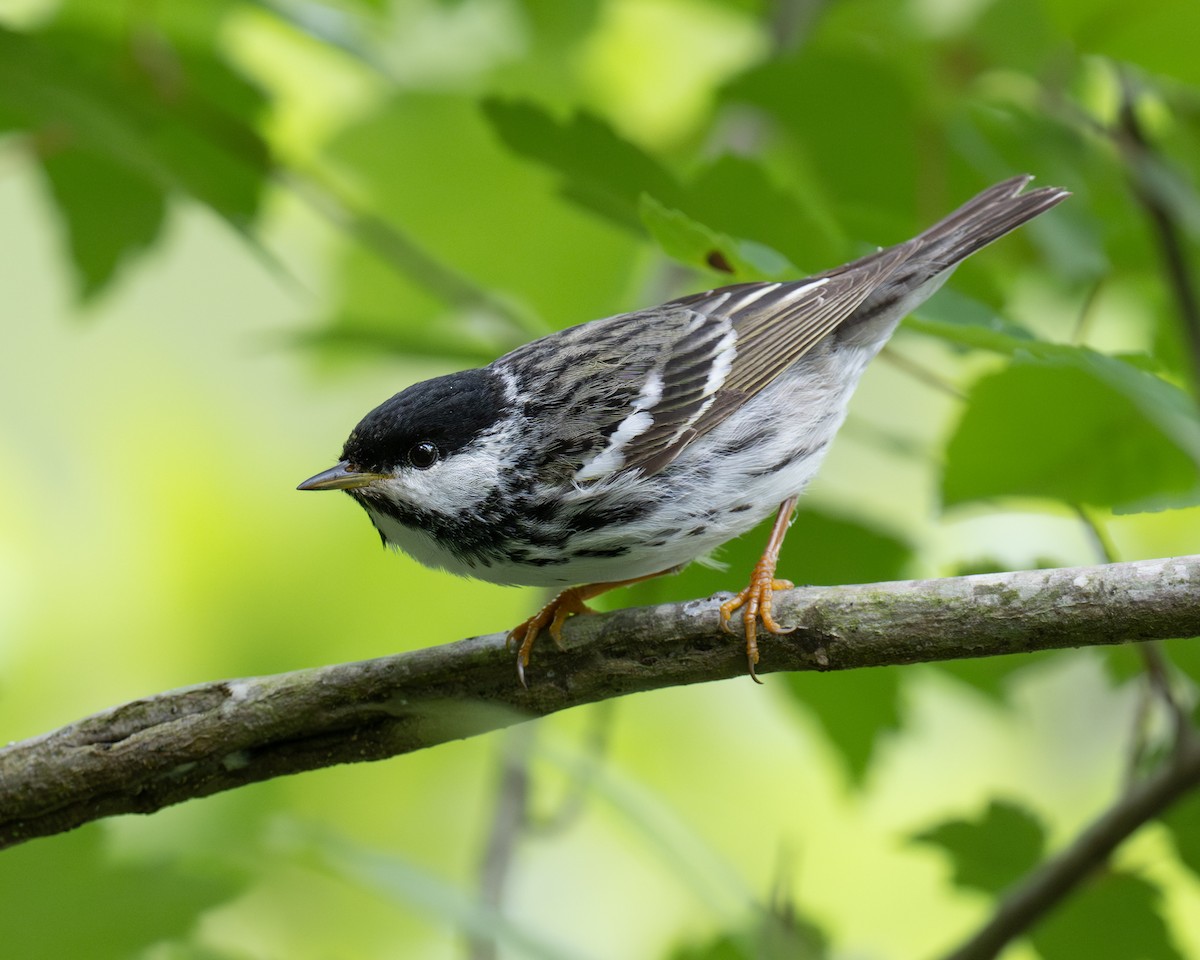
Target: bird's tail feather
(998,210)
(925,261)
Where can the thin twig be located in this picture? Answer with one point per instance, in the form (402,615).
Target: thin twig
(580,788)
(1131,139)
(1106,552)
(509,816)
(921,372)
(404,255)
(1086,312)
(513,819)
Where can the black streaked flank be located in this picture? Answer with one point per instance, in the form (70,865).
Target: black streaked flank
(597,518)
(747,442)
(601,551)
(789,459)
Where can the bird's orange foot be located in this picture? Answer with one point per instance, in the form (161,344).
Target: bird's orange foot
(755,604)
(554,614)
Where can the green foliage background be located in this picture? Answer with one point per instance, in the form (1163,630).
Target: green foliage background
(231,228)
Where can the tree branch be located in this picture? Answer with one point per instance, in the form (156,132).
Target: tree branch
(148,754)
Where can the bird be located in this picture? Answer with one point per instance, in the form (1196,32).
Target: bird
(626,447)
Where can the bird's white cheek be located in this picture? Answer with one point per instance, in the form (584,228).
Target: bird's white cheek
(450,486)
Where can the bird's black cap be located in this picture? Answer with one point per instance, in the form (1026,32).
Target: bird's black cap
(448,411)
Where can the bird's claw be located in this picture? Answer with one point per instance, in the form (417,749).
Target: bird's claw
(755,602)
(551,618)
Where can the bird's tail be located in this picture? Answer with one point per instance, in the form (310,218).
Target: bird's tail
(989,216)
(921,265)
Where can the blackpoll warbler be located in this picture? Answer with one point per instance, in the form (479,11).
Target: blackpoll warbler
(624,448)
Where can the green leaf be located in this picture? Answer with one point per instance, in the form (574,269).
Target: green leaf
(1072,425)
(852,114)
(730,197)
(1116,917)
(853,707)
(991,853)
(110,212)
(734,195)
(175,122)
(787,937)
(698,246)
(1156,36)
(965,322)
(64,897)
(1183,823)
(1166,409)
(503,236)
(989,675)
(372,336)
(1184,655)
(600,170)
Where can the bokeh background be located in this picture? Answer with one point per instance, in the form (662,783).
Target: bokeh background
(228,229)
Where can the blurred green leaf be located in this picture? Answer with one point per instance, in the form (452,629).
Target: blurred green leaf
(852,114)
(730,196)
(600,170)
(1184,655)
(965,322)
(1115,917)
(64,897)
(991,853)
(698,246)
(1016,33)
(1156,36)
(734,195)
(854,708)
(110,212)
(1070,424)
(724,946)
(773,938)
(990,675)
(1183,822)
(118,127)
(501,234)
(366,336)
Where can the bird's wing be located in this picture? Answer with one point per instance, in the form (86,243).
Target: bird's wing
(691,363)
(730,343)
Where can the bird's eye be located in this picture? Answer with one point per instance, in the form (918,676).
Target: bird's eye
(423,455)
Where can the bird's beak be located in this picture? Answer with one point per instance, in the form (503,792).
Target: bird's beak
(340,477)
